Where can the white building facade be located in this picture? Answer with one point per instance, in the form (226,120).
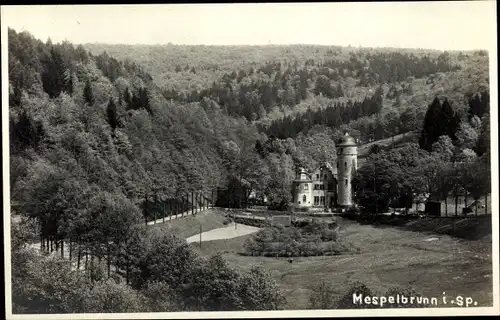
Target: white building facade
(327,186)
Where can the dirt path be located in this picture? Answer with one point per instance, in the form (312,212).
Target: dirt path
(228,232)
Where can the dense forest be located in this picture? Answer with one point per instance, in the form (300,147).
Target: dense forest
(98,131)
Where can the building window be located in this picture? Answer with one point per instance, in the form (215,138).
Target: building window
(304,199)
(322,200)
(326,176)
(337,164)
(345,164)
(317,176)
(321,187)
(341,149)
(316,201)
(306,187)
(346,182)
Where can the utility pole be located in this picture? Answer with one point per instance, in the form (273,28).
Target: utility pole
(200,234)
(374,187)
(192,203)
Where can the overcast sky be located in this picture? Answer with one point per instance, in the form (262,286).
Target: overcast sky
(441,25)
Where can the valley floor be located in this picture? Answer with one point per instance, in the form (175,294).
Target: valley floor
(431,264)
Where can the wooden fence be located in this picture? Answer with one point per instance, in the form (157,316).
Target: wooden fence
(187,202)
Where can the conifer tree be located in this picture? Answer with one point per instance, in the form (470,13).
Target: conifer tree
(127,99)
(432,125)
(112,115)
(450,122)
(483,141)
(88,94)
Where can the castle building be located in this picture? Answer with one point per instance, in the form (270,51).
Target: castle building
(327,186)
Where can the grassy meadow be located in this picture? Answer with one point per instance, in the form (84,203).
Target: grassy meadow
(388,257)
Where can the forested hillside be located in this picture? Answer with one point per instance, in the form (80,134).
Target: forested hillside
(267,83)
(95,135)
(150,122)
(92,139)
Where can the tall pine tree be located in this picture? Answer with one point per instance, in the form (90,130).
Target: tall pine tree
(88,94)
(112,115)
(432,125)
(450,122)
(127,98)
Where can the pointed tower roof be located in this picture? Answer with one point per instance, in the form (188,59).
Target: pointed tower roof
(346,141)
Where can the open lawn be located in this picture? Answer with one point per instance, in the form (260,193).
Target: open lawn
(230,231)
(431,264)
(190,225)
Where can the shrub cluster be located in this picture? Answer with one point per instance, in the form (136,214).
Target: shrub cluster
(313,239)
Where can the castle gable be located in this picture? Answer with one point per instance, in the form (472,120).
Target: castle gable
(324,173)
(333,170)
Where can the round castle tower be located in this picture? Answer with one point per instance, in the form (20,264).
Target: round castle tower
(347,154)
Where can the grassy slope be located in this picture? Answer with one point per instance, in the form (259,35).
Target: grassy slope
(389,257)
(228,246)
(189,226)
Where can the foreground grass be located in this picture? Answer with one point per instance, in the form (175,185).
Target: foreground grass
(389,257)
(189,226)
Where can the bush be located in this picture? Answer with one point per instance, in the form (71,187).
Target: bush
(323,296)
(278,206)
(109,296)
(279,241)
(346,301)
(260,291)
(159,297)
(168,259)
(97,271)
(47,285)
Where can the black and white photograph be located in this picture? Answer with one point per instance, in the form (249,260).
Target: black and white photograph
(249,160)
